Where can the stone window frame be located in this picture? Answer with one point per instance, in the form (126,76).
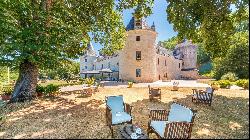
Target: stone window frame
(138,55)
(138,72)
(138,38)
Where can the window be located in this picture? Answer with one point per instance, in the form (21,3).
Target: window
(165,62)
(138,55)
(138,72)
(109,65)
(158,61)
(179,65)
(86,67)
(138,23)
(182,63)
(117,64)
(86,60)
(102,66)
(138,38)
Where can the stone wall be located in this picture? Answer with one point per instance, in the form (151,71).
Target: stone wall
(171,70)
(128,63)
(190,74)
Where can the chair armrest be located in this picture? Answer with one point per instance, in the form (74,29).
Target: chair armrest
(128,108)
(158,115)
(108,115)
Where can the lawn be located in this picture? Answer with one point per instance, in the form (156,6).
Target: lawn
(71,115)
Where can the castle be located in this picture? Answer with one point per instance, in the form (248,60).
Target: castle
(142,60)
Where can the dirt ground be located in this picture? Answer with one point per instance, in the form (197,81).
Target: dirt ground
(72,115)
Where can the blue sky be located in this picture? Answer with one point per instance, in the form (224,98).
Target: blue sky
(159,17)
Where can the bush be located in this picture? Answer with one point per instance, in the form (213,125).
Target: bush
(40,89)
(51,89)
(224,83)
(243,83)
(90,81)
(7,90)
(229,76)
(221,83)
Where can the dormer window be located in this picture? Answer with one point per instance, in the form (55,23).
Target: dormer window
(138,23)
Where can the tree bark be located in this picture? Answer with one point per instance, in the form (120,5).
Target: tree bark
(26,83)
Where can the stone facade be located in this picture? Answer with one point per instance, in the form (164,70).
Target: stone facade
(142,60)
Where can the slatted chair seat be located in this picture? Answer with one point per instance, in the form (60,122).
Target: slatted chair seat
(117,112)
(176,123)
(203,96)
(154,93)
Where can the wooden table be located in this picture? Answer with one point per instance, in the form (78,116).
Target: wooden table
(127,129)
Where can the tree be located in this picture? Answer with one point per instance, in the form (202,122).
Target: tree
(237,58)
(209,22)
(37,34)
(170,43)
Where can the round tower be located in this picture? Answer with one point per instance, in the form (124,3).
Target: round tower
(138,58)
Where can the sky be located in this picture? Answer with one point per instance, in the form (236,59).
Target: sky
(159,17)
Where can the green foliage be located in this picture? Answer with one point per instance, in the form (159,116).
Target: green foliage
(6,89)
(236,59)
(90,81)
(209,22)
(40,89)
(45,35)
(66,70)
(202,55)
(243,83)
(4,74)
(222,83)
(230,76)
(170,43)
(51,89)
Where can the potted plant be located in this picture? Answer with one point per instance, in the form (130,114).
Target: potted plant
(130,84)
(7,90)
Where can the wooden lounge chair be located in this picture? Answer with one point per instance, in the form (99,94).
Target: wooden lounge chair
(203,96)
(117,112)
(154,93)
(174,124)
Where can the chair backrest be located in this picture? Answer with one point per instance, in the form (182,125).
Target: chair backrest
(115,103)
(209,90)
(179,113)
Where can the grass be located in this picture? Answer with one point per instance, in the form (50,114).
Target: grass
(71,115)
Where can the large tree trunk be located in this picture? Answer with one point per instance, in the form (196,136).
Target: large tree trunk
(26,84)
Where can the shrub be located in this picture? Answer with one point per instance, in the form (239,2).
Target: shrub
(221,84)
(229,76)
(243,83)
(90,81)
(7,90)
(40,89)
(224,83)
(50,89)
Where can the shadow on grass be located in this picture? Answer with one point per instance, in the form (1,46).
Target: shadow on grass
(63,118)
